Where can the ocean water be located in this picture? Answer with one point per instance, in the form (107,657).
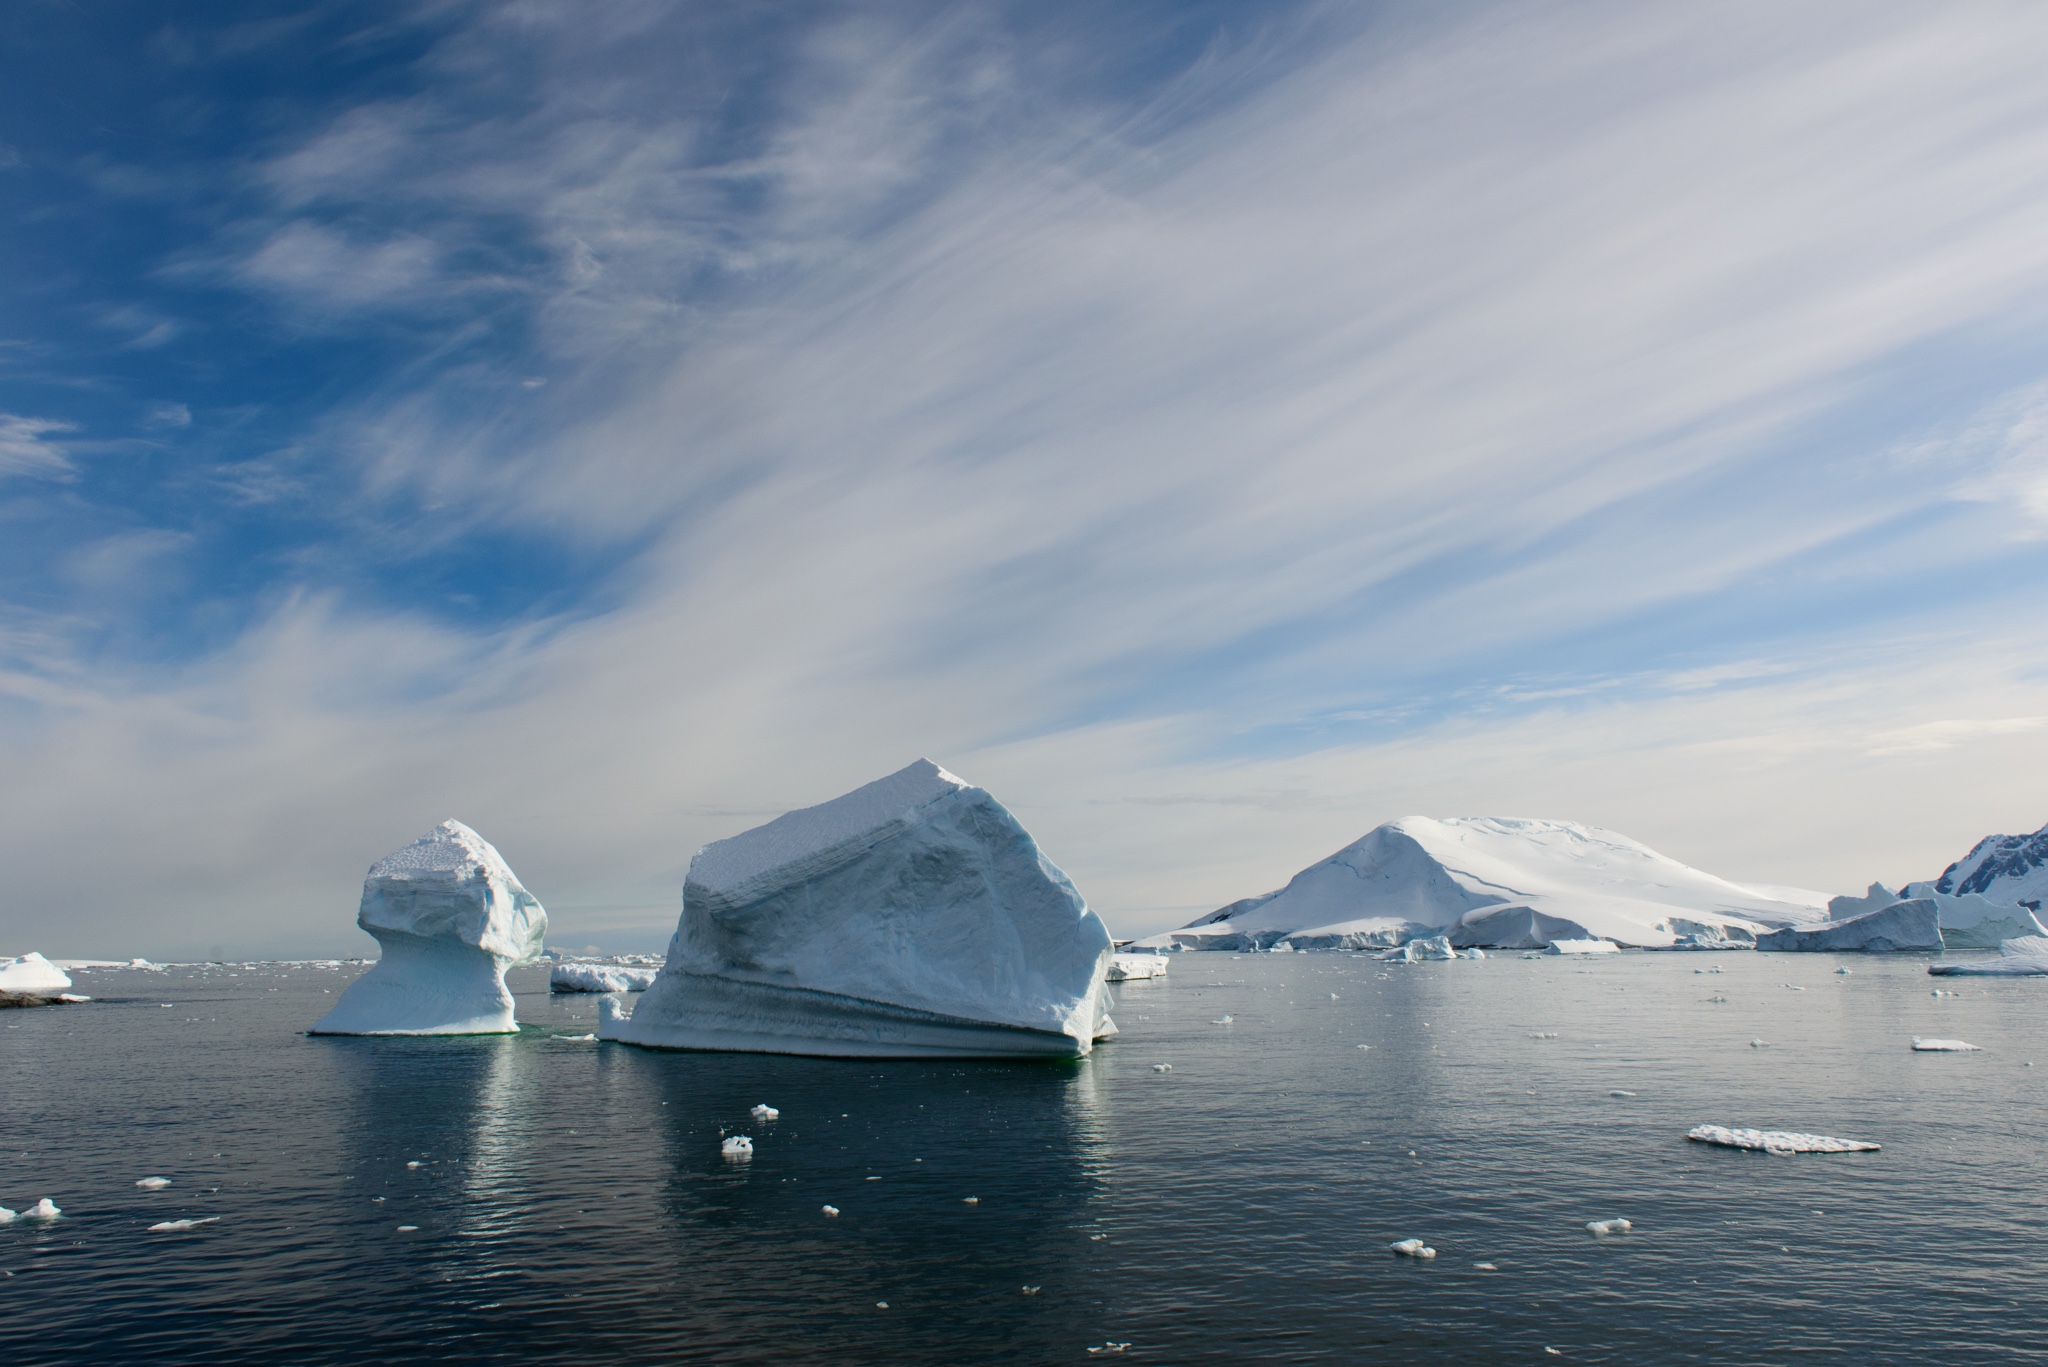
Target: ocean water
(542,1198)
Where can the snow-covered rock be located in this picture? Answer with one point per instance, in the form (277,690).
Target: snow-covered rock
(451,917)
(2026,957)
(2009,869)
(1492,881)
(31,980)
(1123,967)
(1778,1141)
(913,917)
(1909,925)
(579,977)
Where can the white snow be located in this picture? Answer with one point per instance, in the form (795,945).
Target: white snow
(829,1210)
(737,1146)
(45,1209)
(1912,925)
(1616,1226)
(1777,1141)
(1412,1248)
(153,1183)
(764,1113)
(913,917)
(31,979)
(1942,1046)
(1498,882)
(587,977)
(451,916)
(2025,957)
(1123,967)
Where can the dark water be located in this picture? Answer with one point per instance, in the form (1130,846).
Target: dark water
(572,1205)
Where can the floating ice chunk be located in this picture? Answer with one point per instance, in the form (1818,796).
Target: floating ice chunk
(45,1209)
(1111,1348)
(1544,1034)
(32,980)
(911,918)
(1484,1267)
(1433,949)
(451,917)
(1759,1044)
(1942,1046)
(764,1113)
(1777,1141)
(1844,972)
(1616,1226)
(181,1226)
(1618,1092)
(1124,967)
(576,1039)
(153,1183)
(1224,1019)
(1412,1248)
(737,1146)
(1584,947)
(1032,1290)
(970,1200)
(2023,957)
(572,977)
(1168,1067)
(830,1210)
(1900,926)
(7,1217)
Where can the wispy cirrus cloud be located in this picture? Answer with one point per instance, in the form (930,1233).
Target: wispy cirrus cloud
(26,447)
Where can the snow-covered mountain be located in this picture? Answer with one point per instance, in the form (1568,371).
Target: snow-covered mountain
(1494,881)
(2010,869)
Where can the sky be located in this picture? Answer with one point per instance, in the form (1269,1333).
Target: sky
(1214,428)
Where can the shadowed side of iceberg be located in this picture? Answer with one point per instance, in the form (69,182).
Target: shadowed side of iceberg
(424,986)
(693,1011)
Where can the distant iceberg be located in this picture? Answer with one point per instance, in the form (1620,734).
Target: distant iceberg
(910,918)
(1914,925)
(451,917)
(1969,920)
(1778,1141)
(575,977)
(1124,967)
(1497,882)
(32,980)
(2026,957)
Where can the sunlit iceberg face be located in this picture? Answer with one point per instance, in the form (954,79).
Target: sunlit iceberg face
(451,916)
(912,917)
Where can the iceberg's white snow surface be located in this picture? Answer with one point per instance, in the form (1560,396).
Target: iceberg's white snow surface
(576,977)
(2026,957)
(451,917)
(1493,881)
(1901,926)
(913,917)
(1943,1046)
(1778,1141)
(31,979)
(1123,967)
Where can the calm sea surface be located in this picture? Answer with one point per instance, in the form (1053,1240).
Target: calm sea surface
(545,1199)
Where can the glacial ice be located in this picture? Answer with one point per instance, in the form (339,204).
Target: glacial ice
(1412,1248)
(1435,949)
(1913,925)
(765,1113)
(451,917)
(1777,1141)
(2025,957)
(31,980)
(153,1183)
(579,977)
(1584,947)
(912,918)
(182,1226)
(1943,1046)
(1616,1226)
(737,1146)
(1493,882)
(1123,967)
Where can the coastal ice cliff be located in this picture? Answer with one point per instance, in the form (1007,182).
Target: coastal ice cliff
(1495,882)
(911,918)
(451,917)
(1969,920)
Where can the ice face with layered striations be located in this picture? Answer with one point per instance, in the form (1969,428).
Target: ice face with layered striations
(452,917)
(1501,882)
(910,918)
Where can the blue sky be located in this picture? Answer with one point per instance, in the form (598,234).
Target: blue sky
(1215,428)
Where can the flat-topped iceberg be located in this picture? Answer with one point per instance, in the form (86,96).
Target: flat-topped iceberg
(576,977)
(1124,967)
(452,918)
(32,980)
(1778,1141)
(1900,926)
(1500,882)
(2026,957)
(911,918)
(1969,920)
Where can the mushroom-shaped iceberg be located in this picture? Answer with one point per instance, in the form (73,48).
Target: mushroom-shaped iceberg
(451,917)
(911,918)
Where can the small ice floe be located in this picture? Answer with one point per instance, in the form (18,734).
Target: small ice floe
(1759,1044)
(153,1183)
(1032,1290)
(45,1209)
(830,1210)
(1225,1020)
(1365,1046)
(881,1305)
(1333,996)
(408,1229)
(1942,1046)
(1412,1248)
(1843,972)
(182,1226)
(1795,988)
(764,1113)
(1584,947)
(1619,1092)
(970,1200)
(576,1039)
(1111,1348)
(737,1146)
(1544,1034)
(1484,1267)
(7,1217)
(1778,1141)
(1615,1226)
(2024,957)
(1162,1067)
(1717,997)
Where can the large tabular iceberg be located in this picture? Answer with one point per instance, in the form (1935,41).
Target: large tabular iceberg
(1969,920)
(911,918)
(1493,881)
(2026,957)
(452,918)
(1902,925)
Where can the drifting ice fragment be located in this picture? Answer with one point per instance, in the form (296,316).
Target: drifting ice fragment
(1224,1019)
(1759,1044)
(181,1226)
(831,1210)
(1609,1226)
(1942,1046)
(1168,1067)
(598,978)
(1123,967)
(911,918)
(7,1216)
(1618,1092)
(154,1183)
(451,917)
(737,1146)
(764,1112)
(2024,957)
(1777,1141)
(1412,1248)
(45,1209)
